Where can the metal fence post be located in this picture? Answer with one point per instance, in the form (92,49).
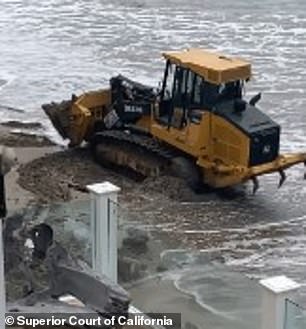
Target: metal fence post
(2,281)
(104,227)
(274,294)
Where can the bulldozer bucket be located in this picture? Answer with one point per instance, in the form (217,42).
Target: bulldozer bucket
(75,118)
(59,114)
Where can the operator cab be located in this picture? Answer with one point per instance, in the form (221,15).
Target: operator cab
(196,80)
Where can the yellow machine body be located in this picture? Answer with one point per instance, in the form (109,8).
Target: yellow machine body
(213,67)
(218,141)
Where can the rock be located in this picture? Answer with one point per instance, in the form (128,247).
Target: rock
(136,239)
(161,268)
(130,269)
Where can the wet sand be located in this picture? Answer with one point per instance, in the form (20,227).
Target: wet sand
(27,148)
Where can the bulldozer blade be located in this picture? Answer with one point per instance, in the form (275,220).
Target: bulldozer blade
(282,178)
(255,185)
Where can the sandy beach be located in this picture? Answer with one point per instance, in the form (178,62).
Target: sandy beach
(27,148)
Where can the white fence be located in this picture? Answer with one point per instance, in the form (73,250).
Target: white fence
(276,291)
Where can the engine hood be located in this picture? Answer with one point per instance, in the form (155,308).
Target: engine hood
(251,120)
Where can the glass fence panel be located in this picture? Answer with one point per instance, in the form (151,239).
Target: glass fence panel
(295,316)
(159,278)
(70,223)
(162,279)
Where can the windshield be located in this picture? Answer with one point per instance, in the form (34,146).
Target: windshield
(230,90)
(214,94)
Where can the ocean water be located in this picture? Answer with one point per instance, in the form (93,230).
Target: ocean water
(51,49)
(59,47)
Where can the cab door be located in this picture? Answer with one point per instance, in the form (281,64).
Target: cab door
(181,115)
(172,105)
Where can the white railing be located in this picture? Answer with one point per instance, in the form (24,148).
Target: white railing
(276,291)
(104,227)
(295,316)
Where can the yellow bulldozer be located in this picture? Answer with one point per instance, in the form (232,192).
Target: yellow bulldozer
(196,125)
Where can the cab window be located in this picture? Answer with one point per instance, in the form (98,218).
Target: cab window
(198,90)
(185,89)
(168,81)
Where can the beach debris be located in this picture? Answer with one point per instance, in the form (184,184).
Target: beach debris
(11,109)
(130,269)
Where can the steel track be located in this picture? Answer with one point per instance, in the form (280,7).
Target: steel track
(142,154)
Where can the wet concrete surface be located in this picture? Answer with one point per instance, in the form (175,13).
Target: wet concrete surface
(207,296)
